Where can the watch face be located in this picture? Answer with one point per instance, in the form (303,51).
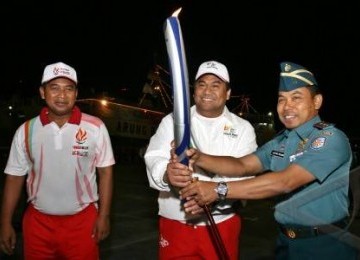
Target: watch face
(222,189)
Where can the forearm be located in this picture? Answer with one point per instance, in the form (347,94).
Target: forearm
(225,165)
(260,187)
(105,190)
(11,195)
(157,154)
(271,183)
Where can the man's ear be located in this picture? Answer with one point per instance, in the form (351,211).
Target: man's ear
(318,99)
(228,94)
(42,92)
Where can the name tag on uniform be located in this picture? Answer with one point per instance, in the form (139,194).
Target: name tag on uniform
(277,153)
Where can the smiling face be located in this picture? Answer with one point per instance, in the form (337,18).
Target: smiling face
(210,95)
(298,106)
(60,96)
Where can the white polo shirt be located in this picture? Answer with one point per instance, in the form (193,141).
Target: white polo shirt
(227,134)
(60,162)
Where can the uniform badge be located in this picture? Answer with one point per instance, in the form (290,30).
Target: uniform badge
(302,144)
(318,143)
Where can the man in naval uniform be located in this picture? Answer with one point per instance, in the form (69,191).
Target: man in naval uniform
(306,166)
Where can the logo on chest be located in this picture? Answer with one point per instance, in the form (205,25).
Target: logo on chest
(80,149)
(229,131)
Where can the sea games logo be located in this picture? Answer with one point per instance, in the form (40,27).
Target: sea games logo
(229,131)
(80,149)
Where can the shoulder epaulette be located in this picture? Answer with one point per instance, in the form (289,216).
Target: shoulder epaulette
(322,124)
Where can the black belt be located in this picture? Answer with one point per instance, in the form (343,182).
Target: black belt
(307,232)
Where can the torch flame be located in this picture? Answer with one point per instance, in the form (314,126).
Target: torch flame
(176,13)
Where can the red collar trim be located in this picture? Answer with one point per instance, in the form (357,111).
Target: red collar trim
(75,117)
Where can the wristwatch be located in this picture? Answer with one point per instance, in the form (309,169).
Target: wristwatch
(222,190)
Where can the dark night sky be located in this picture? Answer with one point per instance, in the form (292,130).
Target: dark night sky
(114,44)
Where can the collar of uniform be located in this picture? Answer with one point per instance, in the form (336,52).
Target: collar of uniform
(75,117)
(305,129)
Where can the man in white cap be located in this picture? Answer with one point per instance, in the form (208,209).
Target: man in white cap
(215,130)
(58,154)
(306,166)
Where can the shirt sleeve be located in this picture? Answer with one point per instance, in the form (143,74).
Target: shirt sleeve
(264,152)
(18,162)
(325,154)
(157,154)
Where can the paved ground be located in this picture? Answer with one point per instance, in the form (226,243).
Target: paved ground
(134,221)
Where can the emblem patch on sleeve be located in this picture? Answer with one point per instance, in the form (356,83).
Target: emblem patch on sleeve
(318,143)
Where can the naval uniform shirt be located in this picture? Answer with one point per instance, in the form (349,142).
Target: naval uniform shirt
(325,152)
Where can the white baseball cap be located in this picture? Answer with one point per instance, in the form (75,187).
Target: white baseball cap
(213,67)
(57,70)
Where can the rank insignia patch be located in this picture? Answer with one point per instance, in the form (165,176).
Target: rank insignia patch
(318,143)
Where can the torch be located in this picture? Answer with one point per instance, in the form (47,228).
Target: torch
(180,82)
